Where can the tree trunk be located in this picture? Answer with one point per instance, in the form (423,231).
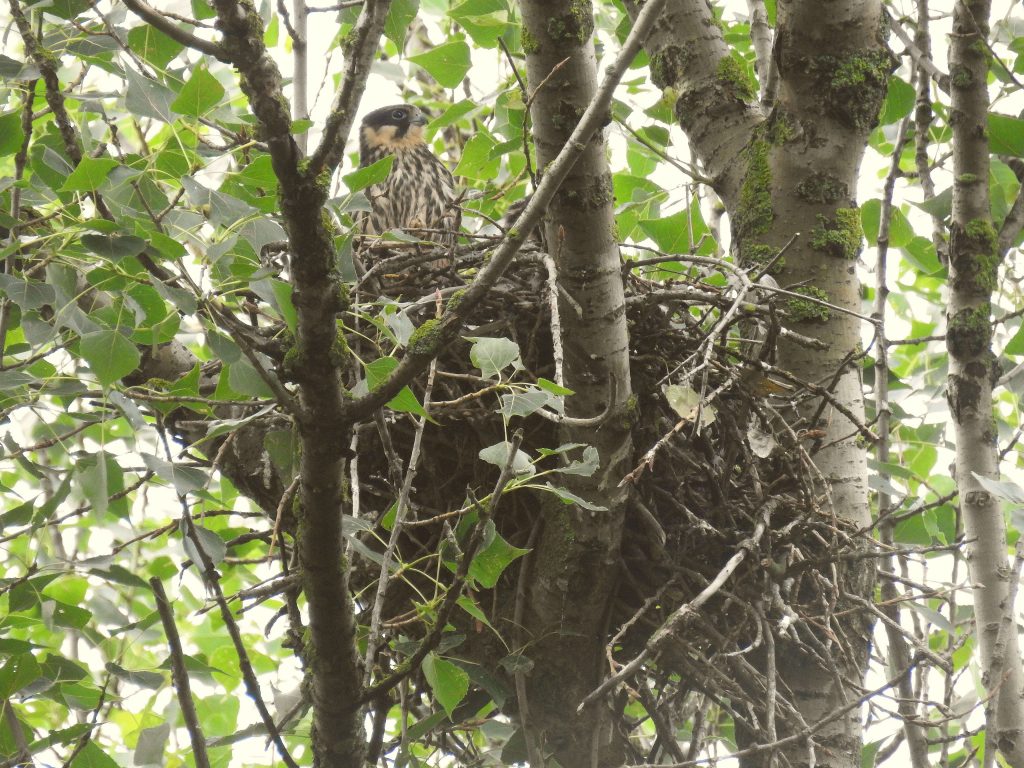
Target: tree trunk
(973,269)
(577,555)
(795,171)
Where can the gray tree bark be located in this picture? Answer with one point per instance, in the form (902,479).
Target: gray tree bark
(973,269)
(794,171)
(576,559)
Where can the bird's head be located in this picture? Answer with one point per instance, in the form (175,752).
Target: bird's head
(390,129)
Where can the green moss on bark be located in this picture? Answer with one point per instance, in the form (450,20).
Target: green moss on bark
(733,78)
(759,254)
(667,65)
(854,86)
(822,188)
(806,310)
(840,236)
(755,214)
(975,257)
(530,43)
(427,339)
(970,332)
(575,27)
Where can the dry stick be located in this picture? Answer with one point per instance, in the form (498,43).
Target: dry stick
(771,681)
(179,674)
(373,640)
(554,174)
(252,686)
(532,750)
(556,321)
(899,654)
(476,536)
(675,622)
(526,113)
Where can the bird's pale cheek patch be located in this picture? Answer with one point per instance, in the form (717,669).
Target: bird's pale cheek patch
(383,136)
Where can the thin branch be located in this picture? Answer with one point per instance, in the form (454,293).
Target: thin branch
(921,59)
(179,673)
(668,631)
(150,15)
(365,37)
(476,536)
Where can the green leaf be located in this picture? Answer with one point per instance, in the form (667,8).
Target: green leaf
(685,401)
(497,455)
(679,233)
(940,206)
(27,294)
(490,562)
(11,135)
(371,174)
(484,20)
(149,749)
(114,248)
(405,401)
(549,386)
(153,46)
(519,403)
(146,97)
(213,545)
(1005,490)
(199,95)
(447,63)
(110,355)
(1006,135)
(400,16)
(184,479)
(17,672)
(569,497)
(466,603)
(492,355)
(868,753)
(477,161)
(91,756)
(449,683)
(586,466)
(140,677)
(1015,346)
(920,252)
(899,100)
(89,175)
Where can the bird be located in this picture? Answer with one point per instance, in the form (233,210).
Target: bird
(419,193)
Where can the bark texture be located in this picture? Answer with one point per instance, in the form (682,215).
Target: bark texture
(794,171)
(576,558)
(973,369)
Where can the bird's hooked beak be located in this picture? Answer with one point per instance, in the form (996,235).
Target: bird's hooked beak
(420,119)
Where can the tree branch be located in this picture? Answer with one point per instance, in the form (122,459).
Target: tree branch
(179,674)
(156,19)
(358,57)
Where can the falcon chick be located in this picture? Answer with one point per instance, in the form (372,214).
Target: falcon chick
(419,193)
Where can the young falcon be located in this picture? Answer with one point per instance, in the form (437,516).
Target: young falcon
(419,193)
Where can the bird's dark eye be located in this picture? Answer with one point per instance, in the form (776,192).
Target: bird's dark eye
(398,114)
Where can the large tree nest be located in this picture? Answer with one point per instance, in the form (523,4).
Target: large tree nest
(696,498)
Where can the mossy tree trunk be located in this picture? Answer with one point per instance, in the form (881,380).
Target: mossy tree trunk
(788,171)
(576,559)
(973,266)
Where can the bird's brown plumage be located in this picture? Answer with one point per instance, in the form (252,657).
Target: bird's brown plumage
(418,195)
